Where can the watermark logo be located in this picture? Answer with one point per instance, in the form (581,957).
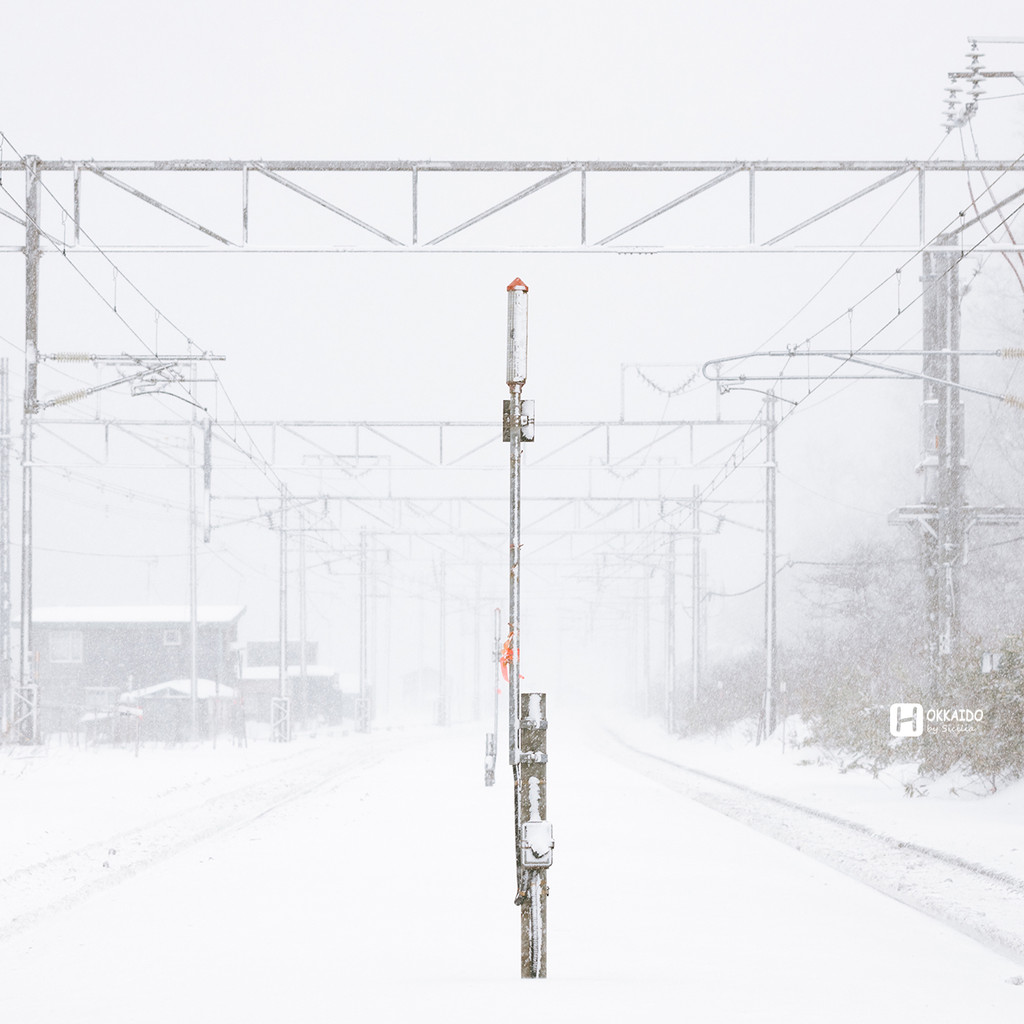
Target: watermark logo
(913,720)
(906,720)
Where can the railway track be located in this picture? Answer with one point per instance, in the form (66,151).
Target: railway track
(37,891)
(981,902)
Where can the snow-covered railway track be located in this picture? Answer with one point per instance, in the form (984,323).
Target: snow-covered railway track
(36,891)
(981,902)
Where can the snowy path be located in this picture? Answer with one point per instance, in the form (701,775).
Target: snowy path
(384,893)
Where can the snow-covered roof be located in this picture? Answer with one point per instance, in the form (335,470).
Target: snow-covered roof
(205,689)
(174,615)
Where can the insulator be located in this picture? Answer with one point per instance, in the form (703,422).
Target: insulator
(1012,353)
(69,357)
(1014,400)
(72,396)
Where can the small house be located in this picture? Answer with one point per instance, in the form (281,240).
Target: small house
(86,658)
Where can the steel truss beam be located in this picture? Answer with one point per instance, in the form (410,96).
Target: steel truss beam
(600,191)
(357,448)
(355,463)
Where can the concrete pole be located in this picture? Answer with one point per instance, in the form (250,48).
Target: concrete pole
(645,694)
(363,712)
(443,716)
(535,836)
(771,687)
(478,682)
(951,483)
(283,732)
(193,573)
(26,711)
(6,674)
(670,636)
(303,660)
(942,458)
(696,598)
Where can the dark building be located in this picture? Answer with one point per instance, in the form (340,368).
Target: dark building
(317,696)
(85,658)
(264,653)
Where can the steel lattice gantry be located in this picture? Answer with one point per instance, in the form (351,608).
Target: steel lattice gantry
(456,205)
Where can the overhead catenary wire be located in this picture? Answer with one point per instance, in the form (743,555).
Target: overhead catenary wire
(918,297)
(741,453)
(254,454)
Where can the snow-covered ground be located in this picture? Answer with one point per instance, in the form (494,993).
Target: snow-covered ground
(371,878)
(956,814)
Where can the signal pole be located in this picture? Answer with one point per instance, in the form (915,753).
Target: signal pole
(527,712)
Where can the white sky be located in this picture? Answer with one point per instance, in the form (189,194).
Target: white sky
(454,80)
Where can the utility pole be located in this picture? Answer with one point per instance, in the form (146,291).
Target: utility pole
(280,715)
(5,541)
(645,695)
(771,684)
(527,712)
(477,647)
(443,717)
(25,713)
(193,572)
(943,515)
(942,465)
(670,636)
(207,479)
(303,659)
(695,637)
(363,711)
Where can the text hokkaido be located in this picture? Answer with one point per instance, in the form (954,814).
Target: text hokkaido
(954,715)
